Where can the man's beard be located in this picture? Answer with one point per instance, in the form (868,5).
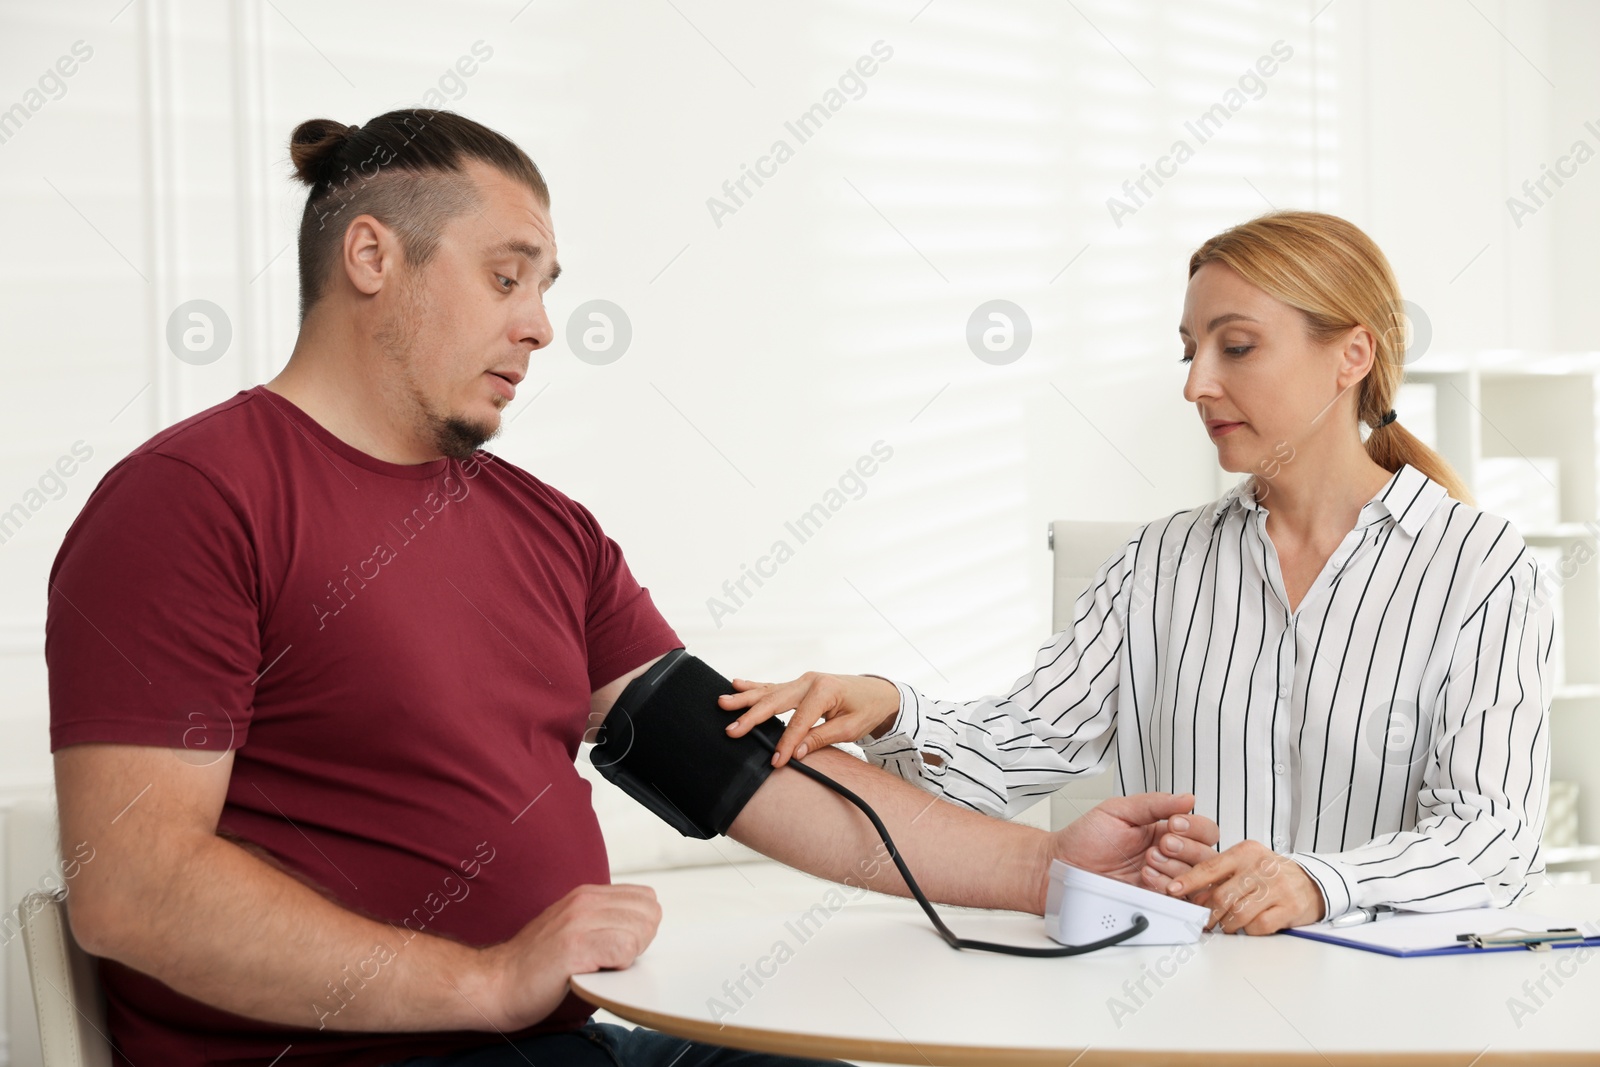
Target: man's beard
(451,435)
(457,437)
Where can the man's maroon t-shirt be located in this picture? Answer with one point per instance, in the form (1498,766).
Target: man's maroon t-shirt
(402,657)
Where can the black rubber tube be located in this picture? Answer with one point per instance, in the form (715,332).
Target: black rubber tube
(1140,923)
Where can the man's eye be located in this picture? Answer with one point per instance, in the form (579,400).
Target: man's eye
(504,282)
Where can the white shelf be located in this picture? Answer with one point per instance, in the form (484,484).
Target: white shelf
(1497,362)
(1501,404)
(1572,854)
(1565,531)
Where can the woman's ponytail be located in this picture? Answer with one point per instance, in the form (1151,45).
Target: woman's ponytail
(1392,445)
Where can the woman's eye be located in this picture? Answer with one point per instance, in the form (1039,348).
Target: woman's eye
(1237,350)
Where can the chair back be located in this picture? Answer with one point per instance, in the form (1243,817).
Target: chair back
(66,986)
(1078,550)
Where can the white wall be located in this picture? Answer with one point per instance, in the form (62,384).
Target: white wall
(1445,115)
(829,311)
(826,314)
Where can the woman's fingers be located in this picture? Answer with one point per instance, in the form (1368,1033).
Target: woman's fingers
(1161,863)
(1246,911)
(1184,849)
(844,713)
(759,705)
(736,701)
(1269,921)
(823,701)
(748,693)
(793,734)
(831,732)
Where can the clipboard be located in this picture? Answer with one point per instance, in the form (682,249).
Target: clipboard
(1441,933)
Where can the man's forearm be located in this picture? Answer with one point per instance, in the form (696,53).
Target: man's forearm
(248,938)
(957,856)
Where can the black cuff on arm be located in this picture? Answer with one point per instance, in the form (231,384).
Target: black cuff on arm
(665,744)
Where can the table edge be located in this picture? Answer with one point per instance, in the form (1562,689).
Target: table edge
(791,1043)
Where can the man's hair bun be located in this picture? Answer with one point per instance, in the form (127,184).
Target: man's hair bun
(405,168)
(313,148)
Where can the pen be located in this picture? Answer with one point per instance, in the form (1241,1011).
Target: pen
(1363,915)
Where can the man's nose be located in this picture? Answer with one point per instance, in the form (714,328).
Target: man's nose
(534,328)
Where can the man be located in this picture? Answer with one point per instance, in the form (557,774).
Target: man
(319,669)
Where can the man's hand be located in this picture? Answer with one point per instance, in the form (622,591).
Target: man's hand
(1142,839)
(1251,888)
(592,928)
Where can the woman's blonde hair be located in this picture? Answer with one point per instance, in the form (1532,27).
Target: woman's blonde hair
(1337,277)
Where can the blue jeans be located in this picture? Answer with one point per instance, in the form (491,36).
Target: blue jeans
(607,1045)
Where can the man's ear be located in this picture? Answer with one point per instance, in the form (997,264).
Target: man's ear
(370,254)
(1356,356)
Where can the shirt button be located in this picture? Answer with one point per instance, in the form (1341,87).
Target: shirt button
(1283,692)
(1280,842)
(1277,768)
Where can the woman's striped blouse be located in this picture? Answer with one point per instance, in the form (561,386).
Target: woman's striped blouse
(1391,735)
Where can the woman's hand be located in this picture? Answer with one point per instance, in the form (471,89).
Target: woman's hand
(1251,888)
(853,706)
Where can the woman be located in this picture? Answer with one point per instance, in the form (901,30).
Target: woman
(1342,659)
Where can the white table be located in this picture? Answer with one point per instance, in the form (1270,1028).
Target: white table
(872,981)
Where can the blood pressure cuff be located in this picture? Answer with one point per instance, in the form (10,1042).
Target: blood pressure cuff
(665,743)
